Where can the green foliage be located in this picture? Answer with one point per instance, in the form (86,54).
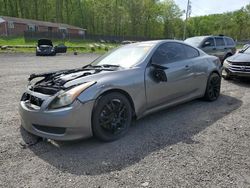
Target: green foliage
(235,24)
(144,18)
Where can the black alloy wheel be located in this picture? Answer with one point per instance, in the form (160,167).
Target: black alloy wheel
(111,117)
(213,87)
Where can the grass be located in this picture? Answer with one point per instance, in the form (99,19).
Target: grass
(239,46)
(79,46)
(73,46)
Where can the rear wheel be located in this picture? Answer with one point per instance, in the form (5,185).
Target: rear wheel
(213,87)
(111,117)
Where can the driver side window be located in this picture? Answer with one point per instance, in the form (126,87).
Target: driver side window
(209,43)
(168,53)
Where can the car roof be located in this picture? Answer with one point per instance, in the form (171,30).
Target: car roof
(205,36)
(154,42)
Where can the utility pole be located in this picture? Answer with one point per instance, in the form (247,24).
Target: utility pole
(188,13)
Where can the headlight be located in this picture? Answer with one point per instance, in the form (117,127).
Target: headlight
(226,63)
(38,49)
(66,98)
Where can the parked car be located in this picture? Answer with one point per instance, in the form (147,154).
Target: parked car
(127,42)
(220,46)
(133,80)
(238,65)
(45,48)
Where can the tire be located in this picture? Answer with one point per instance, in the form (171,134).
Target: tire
(111,117)
(213,87)
(225,75)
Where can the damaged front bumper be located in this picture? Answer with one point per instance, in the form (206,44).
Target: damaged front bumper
(67,123)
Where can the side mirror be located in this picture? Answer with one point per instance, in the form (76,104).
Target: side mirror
(158,73)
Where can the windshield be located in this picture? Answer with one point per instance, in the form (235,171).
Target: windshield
(194,41)
(126,56)
(247,50)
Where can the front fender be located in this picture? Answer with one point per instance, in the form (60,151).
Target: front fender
(135,92)
(94,92)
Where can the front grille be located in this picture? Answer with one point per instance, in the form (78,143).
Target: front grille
(44,48)
(32,99)
(50,130)
(243,69)
(240,63)
(45,90)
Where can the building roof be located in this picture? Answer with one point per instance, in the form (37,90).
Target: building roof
(38,23)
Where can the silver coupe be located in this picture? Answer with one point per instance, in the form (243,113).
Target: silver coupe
(103,97)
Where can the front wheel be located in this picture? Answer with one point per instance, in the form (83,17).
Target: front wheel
(112,116)
(213,87)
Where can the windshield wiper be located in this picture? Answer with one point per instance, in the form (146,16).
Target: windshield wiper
(109,65)
(101,66)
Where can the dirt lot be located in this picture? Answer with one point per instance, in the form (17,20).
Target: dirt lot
(197,144)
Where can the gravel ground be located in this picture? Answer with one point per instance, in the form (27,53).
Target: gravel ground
(197,144)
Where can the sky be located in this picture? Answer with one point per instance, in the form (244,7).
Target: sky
(205,7)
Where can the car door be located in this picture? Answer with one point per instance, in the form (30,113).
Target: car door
(178,69)
(230,45)
(208,46)
(61,48)
(220,47)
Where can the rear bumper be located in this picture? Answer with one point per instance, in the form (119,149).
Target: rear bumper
(69,123)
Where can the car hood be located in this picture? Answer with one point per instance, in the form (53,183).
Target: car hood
(65,79)
(240,57)
(44,42)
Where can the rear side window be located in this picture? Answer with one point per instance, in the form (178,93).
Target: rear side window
(230,42)
(191,52)
(219,41)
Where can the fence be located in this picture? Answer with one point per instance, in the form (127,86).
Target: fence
(77,37)
(53,35)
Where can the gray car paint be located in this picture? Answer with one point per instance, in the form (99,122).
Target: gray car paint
(187,80)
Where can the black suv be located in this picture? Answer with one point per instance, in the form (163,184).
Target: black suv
(220,46)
